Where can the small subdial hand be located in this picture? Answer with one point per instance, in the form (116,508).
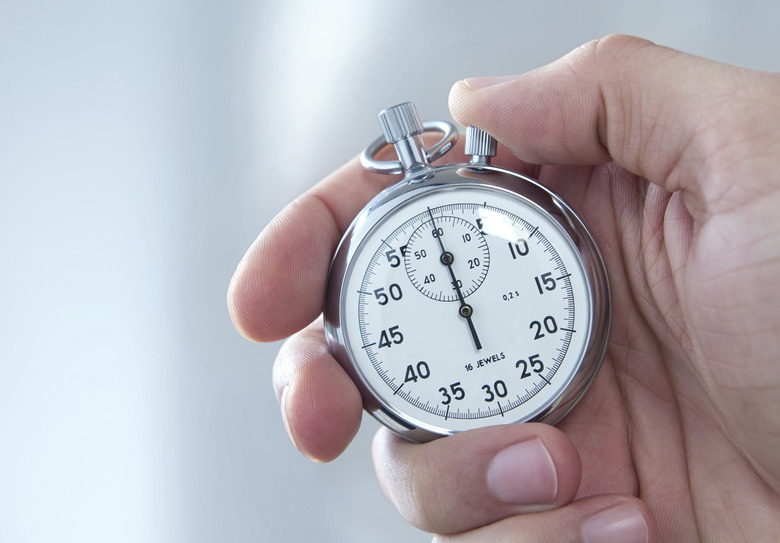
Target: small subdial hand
(465,310)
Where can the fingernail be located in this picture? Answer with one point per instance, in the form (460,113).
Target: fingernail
(524,474)
(482,82)
(622,523)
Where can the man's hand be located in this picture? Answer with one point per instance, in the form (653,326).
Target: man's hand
(674,163)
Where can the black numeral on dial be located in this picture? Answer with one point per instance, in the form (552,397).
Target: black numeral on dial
(545,282)
(418,371)
(548,324)
(390,336)
(518,248)
(394,291)
(457,393)
(498,390)
(533,361)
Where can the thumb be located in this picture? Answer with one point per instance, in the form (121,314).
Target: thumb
(659,113)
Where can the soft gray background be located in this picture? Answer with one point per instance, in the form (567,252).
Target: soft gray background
(143,146)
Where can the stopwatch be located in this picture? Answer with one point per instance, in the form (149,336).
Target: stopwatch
(465,295)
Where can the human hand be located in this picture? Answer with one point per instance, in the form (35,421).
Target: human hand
(674,163)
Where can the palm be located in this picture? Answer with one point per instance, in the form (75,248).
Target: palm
(680,414)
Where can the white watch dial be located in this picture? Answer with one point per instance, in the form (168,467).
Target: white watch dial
(465,307)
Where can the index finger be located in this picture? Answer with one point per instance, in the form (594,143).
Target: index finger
(278,286)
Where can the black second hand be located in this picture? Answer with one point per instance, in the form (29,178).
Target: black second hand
(465,310)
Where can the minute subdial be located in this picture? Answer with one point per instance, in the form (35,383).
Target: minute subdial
(423,258)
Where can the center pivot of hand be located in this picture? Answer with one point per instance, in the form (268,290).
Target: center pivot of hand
(466,311)
(447,259)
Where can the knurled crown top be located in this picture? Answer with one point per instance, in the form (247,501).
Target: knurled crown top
(400,122)
(479,142)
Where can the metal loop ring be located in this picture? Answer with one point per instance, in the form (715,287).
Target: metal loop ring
(448,139)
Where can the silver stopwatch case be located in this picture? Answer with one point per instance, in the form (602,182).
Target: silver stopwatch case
(476,367)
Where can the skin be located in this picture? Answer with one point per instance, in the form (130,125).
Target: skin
(673,161)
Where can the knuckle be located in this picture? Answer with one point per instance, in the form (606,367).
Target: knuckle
(615,45)
(606,51)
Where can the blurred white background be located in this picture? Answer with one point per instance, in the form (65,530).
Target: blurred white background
(143,146)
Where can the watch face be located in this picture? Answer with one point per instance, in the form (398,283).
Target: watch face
(463,306)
